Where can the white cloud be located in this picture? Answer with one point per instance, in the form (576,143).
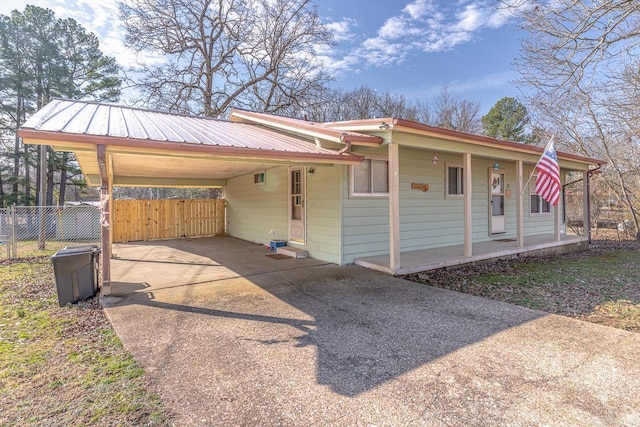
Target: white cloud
(471,18)
(419,9)
(427,26)
(476,16)
(100,17)
(341,30)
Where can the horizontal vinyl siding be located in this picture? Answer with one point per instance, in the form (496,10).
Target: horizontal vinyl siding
(323,213)
(428,219)
(255,209)
(536,223)
(365,223)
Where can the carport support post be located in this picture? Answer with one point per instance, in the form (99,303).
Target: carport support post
(394,208)
(105,219)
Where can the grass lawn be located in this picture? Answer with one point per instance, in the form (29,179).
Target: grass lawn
(601,285)
(64,365)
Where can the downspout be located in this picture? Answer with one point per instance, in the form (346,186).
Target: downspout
(347,148)
(588,190)
(589,175)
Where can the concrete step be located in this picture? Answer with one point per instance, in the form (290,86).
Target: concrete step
(293,252)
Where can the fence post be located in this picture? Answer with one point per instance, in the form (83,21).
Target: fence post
(13,244)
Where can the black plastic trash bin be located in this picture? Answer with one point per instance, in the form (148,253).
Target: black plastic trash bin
(76,271)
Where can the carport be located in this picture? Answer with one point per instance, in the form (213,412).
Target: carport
(128,147)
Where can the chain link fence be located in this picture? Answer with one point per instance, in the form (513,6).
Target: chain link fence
(27,231)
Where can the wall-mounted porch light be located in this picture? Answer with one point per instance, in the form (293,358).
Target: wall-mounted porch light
(496,166)
(434,161)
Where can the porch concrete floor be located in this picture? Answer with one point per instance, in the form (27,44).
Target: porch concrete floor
(432,259)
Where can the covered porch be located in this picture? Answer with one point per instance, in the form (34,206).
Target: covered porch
(452,256)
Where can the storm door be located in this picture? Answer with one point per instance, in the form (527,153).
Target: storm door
(297,214)
(496,202)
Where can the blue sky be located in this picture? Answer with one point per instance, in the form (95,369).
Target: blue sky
(408,47)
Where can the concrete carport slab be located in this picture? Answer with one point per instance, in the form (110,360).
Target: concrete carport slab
(318,344)
(149,266)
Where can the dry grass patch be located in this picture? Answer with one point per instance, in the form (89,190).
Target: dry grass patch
(64,365)
(600,285)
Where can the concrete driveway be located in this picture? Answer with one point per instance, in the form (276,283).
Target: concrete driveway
(232,337)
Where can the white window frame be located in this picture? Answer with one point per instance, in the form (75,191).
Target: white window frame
(541,201)
(460,181)
(352,174)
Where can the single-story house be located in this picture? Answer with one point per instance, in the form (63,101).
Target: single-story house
(387,193)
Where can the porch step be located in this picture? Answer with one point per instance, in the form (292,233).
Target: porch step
(293,252)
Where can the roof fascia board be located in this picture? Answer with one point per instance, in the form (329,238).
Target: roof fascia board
(206,150)
(455,146)
(452,137)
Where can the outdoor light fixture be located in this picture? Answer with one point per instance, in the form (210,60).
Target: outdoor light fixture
(311,171)
(496,166)
(384,126)
(434,161)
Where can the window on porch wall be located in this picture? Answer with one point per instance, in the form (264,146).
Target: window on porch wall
(455,180)
(537,204)
(370,177)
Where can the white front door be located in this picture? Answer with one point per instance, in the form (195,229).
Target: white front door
(496,202)
(297,211)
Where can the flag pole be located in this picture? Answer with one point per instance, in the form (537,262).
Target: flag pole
(534,168)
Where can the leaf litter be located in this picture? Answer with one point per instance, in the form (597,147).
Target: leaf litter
(599,285)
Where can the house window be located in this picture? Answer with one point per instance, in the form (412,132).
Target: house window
(370,178)
(258,178)
(455,180)
(537,205)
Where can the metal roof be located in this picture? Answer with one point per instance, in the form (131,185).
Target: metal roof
(106,122)
(153,149)
(304,127)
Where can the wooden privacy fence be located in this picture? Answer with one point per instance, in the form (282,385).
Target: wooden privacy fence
(135,220)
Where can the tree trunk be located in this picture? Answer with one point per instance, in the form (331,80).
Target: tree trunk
(50,172)
(27,177)
(63,178)
(38,180)
(16,153)
(1,192)
(16,169)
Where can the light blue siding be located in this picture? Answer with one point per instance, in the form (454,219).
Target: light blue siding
(254,210)
(430,219)
(341,228)
(324,221)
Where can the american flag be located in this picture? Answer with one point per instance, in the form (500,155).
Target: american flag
(548,180)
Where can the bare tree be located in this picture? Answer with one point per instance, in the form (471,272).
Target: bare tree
(579,67)
(361,103)
(397,106)
(451,112)
(257,54)
(575,42)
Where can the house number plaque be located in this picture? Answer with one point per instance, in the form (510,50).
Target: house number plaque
(418,186)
